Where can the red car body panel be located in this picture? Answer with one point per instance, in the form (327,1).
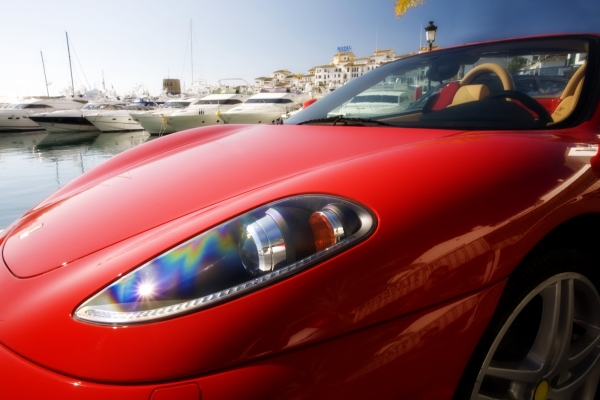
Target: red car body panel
(478,249)
(445,198)
(145,205)
(351,366)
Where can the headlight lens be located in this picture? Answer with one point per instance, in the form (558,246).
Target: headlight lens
(238,256)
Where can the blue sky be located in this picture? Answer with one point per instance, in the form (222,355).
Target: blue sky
(134,43)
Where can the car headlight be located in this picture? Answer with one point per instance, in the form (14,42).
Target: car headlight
(245,253)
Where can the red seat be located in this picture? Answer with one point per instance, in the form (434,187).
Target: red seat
(445,96)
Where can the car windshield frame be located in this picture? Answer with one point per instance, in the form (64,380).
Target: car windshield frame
(445,63)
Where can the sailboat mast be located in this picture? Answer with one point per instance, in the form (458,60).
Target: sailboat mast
(192,51)
(45,79)
(70,67)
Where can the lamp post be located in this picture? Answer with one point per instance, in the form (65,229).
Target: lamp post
(430,34)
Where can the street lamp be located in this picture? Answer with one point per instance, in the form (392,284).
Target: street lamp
(430,34)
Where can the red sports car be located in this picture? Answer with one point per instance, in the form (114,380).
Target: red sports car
(426,231)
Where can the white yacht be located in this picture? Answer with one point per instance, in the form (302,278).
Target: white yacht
(375,102)
(15,117)
(292,113)
(157,122)
(73,120)
(265,107)
(120,120)
(207,110)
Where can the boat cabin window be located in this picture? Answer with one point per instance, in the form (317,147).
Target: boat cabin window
(176,104)
(216,102)
(140,107)
(28,106)
(270,101)
(93,106)
(142,104)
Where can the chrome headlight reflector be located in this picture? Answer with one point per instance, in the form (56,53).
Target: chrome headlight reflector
(245,253)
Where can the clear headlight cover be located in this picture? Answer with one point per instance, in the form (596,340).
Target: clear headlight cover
(241,255)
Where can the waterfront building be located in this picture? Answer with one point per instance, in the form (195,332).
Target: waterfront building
(343,67)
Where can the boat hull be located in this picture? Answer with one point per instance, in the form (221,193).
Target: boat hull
(251,118)
(114,123)
(11,121)
(64,124)
(154,124)
(17,117)
(183,122)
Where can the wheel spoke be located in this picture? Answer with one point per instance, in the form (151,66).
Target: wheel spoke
(553,335)
(588,344)
(592,330)
(509,372)
(585,377)
(491,396)
(544,346)
(483,397)
(561,340)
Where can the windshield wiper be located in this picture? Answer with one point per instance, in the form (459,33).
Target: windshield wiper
(340,119)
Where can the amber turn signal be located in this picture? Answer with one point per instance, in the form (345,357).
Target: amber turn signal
(327,228)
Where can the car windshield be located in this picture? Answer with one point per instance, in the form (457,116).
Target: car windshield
(473,86)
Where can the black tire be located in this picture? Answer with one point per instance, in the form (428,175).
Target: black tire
(544,337)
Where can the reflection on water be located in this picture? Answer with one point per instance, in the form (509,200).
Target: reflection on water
(35,164)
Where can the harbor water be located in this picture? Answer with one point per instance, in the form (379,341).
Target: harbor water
(35,164)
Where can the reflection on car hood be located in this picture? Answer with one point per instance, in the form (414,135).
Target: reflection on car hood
(178,175)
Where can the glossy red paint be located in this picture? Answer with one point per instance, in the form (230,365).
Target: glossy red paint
(399,314)
(186,190)
(549,103)
(418,229)
(325,369)
(189,391)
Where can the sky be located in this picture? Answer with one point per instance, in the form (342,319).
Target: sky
(130,44)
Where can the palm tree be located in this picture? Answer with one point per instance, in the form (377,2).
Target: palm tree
(516,64)
(403,5)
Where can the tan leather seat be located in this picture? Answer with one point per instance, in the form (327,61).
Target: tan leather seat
(570,95)
(470,93)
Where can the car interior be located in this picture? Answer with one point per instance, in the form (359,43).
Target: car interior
(469,90)
(529,85)
(473,101)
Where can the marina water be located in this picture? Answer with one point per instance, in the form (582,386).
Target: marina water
(35,164)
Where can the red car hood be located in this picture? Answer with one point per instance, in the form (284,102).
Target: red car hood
(177,175)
